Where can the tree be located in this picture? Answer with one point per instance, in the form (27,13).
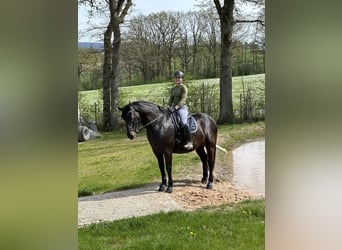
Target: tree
(197,27)
(151,44)
(89,69)
(118,9)
(211,33)
(107,76)
(167,25)
(225,13)
(226,16)
(142,47)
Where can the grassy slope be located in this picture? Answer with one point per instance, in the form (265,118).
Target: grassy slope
(154,92)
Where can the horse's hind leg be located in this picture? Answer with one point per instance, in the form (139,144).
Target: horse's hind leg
(168,163)
(211,161)
(160,158)
(204,158)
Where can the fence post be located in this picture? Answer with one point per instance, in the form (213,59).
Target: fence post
(95,104)
(241,108)
(202,98)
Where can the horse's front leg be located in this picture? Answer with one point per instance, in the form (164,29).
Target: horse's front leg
(168,163)
(160,159)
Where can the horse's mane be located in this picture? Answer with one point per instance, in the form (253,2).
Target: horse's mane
(150,105)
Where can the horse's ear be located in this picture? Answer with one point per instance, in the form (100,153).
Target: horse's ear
(121,109)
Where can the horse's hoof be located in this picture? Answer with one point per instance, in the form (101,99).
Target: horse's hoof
(162,188)
(169,190)
(204,180)
(210,185)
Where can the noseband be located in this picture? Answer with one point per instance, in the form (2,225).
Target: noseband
(136,127)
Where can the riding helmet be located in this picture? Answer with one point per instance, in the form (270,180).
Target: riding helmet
(179,73)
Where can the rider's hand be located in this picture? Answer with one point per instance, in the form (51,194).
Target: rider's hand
(177,107)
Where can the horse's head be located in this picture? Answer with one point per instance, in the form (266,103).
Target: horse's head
(132,119)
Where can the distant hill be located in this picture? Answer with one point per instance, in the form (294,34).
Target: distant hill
(90,45)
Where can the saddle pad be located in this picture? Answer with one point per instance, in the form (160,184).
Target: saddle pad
(192,123)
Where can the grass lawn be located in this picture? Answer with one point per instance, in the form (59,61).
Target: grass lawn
(229,226)
(113,162)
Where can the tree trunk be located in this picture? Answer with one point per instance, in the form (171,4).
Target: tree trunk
(107,69)
(117,13)
(214,59)
(115,74)
(226,114)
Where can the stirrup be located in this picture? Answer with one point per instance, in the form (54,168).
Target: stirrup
(188,146)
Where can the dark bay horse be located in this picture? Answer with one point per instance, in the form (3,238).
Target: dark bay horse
(161,135)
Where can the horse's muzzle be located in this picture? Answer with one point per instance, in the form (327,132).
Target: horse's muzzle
(131,134)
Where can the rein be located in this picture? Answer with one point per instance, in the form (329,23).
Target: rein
(143,126)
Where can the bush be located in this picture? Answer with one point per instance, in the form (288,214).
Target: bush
(203,98)
(91,113)
(252,102)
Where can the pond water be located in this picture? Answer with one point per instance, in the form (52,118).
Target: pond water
(246,166)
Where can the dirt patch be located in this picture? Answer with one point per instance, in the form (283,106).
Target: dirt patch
(187,195)
(191,194)
(197,195)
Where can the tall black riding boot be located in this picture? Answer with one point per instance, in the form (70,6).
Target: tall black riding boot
(188,137)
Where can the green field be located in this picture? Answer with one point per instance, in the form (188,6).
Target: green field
(158,93)
(153,92)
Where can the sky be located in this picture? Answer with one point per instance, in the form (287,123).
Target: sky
(149,6)
(144,7)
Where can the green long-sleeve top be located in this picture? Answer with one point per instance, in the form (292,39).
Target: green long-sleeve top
(178,96)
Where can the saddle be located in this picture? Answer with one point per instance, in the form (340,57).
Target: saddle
(192,123)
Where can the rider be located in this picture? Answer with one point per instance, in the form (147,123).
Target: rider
(177,101)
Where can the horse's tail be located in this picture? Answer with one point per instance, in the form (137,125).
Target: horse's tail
(220,148)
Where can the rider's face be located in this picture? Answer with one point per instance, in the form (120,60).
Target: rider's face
(178,80)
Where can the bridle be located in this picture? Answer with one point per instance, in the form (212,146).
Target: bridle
(136,127)
(135,124)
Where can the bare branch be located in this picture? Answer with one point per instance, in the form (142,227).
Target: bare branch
(218,6)
(125,11)
(262,22)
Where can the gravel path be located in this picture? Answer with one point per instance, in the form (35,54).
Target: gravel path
(147,200)
(124,204)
